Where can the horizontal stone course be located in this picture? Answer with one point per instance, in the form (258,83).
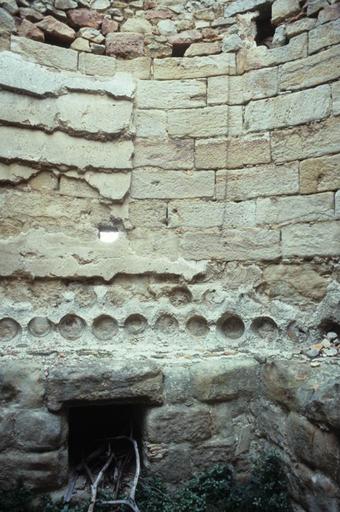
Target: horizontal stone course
(151,123)
(289,109)
(200,122)
(267,180)
(210,153)
(324,35)
(194,67)
(313,70)
(320,239)
(250,149)
(59,149)
(171,94)
(279,210)
(306,141)
(245,244)
(154,184)
(320,174)
(164,154)
(196,214)
(97,65)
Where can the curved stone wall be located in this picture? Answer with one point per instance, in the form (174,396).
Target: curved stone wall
(218,176)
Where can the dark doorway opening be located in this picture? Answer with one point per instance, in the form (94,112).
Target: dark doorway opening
(92,426)
(178,50)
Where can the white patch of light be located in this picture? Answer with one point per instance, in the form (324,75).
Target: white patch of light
(109,237)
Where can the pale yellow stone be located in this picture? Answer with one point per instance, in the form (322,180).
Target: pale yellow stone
(210,153)
(166,154)
(198,122)
(97,65)
(319,174)
(319,239)
(248,150)
(194,67)
(171,94)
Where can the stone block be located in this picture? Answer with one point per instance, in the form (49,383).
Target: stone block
(198,122)
(166,154)
(171,94)
(74,187)
(7,434)
(260,181)
(45,54)
(235,120)
(126,45)
(210,153)
(74,113)
(336,98)
(249,149)
(15,173)
(329,13)
(113,186)
(97,65)
(218,90)
(306,141)
(85,17)
(198,49)
(223,380)
(320,174)
(337,205)
(21,382)
(295,281)
(288,110)
(320,239)
(240,214)
(60,150)
(151,123)
(299,26)
(106,380)
(150,214)
(199,214)
(173,464)
(282,9)
(177,423)
(139,67)
(284,210)
(57,30)
(154,184)
(313,70)
(245,244)
(262,57)
(240,6)
(177,384)
(324,35)
(37,430)
(194,67)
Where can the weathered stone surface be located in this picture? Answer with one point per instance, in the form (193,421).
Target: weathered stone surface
(314,6)
(250,149)
(177,423)
(85,17)
(97,65)
(21,382)
(39,430)
(232,244)
(282,9)
(240,6)
(137,25)
(141,381)
(61,150)
(240,214)
(319,174)
(7,21)
(113,186)
(261,56)
(198,122)
(109,26)
(56,29)
(139,67)
(216,381)
(336,98)
(306,141)
(169,94)
(92,34)
(73,113)
(166,154)
(337,205)
(279,210)
(14,173)
(54,56)
(30,30)
(124,44)
(151,123)
(288,110)
(151,214)
(198,49)
(210,153)
(312,70)
(299,26)
(194,67)
(153,184)
(329,13)
(261,181)
(322,239)
(196,214)
(173,462)
(7,435)
(324,35)
(292,282)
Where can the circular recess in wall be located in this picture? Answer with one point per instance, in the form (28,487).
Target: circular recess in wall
(39,326)
(9,329)
(166,324)
(197,326)
(135,324)
(71,326)
(104,327)
(296,333)
(265,327)
(231,326)
(180,296)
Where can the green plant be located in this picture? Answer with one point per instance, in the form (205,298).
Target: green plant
(15,500)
